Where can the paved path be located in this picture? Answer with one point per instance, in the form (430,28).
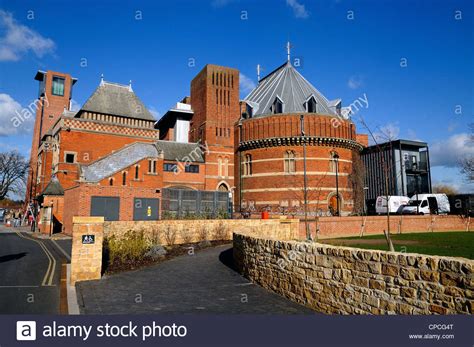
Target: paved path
(29,273)
(201,283)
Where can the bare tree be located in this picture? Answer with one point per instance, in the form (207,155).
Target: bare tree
(466,164)
(386,169)
(13,173)
(356,182)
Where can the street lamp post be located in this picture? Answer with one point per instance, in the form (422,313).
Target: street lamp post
(336,159)
(308,233)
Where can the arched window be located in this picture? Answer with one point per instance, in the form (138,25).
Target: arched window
(290,162)
(311,105)
(248,164)
(136,171)
(277,106)
(111,182)
(223,188)
(333,161)
(124,178)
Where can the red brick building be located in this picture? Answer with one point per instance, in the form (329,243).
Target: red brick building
(288,133)
(113,158)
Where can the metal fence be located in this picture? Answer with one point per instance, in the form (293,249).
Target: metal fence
(184,202)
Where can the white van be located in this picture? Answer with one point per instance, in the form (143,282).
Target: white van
(427,204)
(395,204)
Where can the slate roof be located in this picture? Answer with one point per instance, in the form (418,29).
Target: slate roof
(53,188)
(137,151)
(180,151)
(119,160)
(117,99)
(292,88)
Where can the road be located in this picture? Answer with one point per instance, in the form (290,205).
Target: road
(30,271)
(203,283)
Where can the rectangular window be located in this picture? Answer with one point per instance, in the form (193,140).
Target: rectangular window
(170,167)
(70,158)
(191,168)
(58,86)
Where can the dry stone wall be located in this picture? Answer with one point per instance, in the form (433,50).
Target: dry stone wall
(168,232)
(344,280)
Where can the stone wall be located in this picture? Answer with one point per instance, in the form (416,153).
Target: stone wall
(344,280)
(187,231)
(331,227)
(86,258)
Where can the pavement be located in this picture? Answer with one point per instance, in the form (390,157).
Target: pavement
(201,283)
(30,271)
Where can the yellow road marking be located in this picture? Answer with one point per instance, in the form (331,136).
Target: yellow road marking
(51,261)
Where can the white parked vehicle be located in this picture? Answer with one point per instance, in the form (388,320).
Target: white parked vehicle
(395,204)
(427,204)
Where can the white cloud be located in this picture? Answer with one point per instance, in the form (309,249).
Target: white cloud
(246,84)
(387,132)
(299,9)
(14,118)
(354,82)
(448,152)
(18,39)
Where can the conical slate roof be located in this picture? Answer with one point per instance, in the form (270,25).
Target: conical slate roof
(118,100)
(288,85)
(53,188)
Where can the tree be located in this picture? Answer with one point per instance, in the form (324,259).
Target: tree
(356,181)
(466,164)
(444,188)
(13,173)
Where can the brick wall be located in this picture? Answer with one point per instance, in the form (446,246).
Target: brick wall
(78,200)
(341,280)
(186,231)
(331,227)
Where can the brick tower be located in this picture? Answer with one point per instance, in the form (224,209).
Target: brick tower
(55,92)
(215,102)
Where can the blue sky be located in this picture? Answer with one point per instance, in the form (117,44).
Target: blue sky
(413,60)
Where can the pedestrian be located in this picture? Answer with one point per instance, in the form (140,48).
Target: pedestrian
(16,218)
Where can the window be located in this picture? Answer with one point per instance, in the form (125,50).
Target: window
(290,162)
(170,167)
(333,162)
(277,106)
(70,158)
(111,182)
(152,166)
(213,78)
(124,179)
(136,172)
(58,86)
(248,164)
(191,168)
(219,166)
(311,105)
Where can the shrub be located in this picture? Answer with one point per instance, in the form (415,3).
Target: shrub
(170,235)
(129,247)
(186,235)
(220,231)
(203,233)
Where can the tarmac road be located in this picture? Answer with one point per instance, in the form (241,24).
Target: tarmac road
(30,272)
